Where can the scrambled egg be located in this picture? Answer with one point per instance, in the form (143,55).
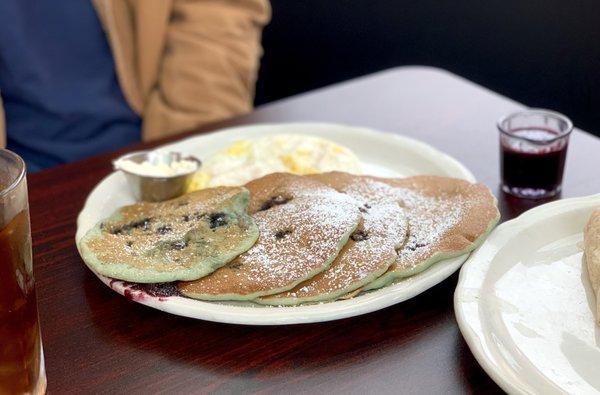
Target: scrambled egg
(246,160)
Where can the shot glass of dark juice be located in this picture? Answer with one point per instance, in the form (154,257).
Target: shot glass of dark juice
(21,360)
(533,150)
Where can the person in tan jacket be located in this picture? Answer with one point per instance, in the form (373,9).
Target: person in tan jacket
(179,64)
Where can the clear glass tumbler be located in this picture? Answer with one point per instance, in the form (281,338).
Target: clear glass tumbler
(21,356)
(533,150)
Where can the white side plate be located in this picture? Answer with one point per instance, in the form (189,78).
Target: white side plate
(383,154)
(525,305)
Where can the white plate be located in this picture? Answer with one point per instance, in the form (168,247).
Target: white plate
(382,154)
(525,305)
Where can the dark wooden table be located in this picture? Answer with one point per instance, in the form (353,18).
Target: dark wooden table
(99,342)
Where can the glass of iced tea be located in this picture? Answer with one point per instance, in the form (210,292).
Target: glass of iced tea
(21,357)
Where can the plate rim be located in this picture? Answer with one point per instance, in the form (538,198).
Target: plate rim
(292,315)
(476,342)
(383,301)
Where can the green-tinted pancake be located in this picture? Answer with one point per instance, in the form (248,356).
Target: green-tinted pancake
(180,239)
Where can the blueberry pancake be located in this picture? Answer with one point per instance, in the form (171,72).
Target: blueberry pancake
(279,188)
(303,226)
(447,217)
(369,252)
(180,239)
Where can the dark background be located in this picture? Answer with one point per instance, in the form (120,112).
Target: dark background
(541,53)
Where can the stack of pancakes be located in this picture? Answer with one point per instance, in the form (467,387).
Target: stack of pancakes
(285,239)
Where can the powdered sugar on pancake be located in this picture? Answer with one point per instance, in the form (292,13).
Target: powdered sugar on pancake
(368,254)
(429,218)
(315,226)
(446,216)
(299,237)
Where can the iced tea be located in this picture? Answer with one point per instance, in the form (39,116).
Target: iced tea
(21,364)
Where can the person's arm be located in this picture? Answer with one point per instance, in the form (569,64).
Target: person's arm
(209,67)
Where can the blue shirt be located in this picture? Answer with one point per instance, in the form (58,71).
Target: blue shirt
(58,82)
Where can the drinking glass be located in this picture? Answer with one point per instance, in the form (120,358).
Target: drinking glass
(21,357)
(533,150)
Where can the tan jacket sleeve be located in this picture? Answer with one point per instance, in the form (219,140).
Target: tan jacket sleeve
(209,67)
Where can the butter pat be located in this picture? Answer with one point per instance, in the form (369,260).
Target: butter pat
(157,168)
